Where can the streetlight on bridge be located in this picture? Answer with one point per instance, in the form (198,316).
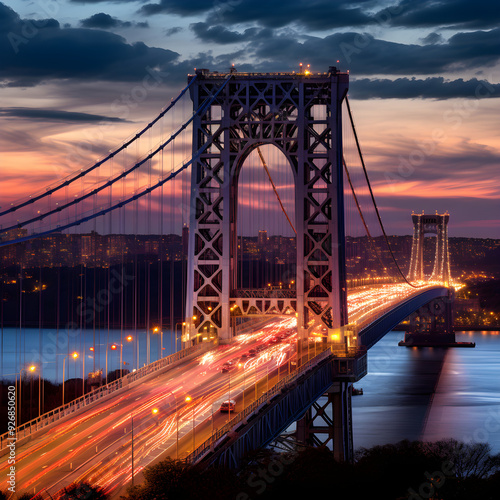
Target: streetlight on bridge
(31,368)
(183,323)
(74,355)
(114,347)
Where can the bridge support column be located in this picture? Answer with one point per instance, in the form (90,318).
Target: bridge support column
(329,422)
(432,325)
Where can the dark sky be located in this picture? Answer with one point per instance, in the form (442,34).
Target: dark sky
(424,88)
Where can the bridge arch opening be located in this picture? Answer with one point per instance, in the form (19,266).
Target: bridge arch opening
(266,252)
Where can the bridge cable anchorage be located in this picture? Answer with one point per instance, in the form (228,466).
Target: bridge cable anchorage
(83,173)
(110,182)
(135,197)
(370,237)
(274,188)
(373,197)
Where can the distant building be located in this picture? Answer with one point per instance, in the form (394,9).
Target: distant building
(13,234)
(262,240)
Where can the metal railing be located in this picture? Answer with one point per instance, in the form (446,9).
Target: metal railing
(267,396)
(42,421)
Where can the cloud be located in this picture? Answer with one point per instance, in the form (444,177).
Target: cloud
(221,35)
(101,1)
(435,170)
(12,140)
(173,31)
(430,88)
(469,216)
(433,38)
(328,14)
(363,54)
(320,14)
(179,7)
(56,115)
(451,13)
(105,21)
(34,51)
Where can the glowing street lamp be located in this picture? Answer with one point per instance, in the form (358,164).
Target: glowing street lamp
(176,325)
(31,368)
(74,355)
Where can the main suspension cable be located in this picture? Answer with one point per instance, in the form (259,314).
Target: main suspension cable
(373,197)
(84,172)
(370,237)
(134,197)
(110,182)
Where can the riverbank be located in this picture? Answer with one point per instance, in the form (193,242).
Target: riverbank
(458,328)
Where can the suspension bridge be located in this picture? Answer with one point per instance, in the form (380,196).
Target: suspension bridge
(236,244)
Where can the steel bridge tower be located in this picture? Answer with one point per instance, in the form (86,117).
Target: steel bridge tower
(430,224)
(300,114)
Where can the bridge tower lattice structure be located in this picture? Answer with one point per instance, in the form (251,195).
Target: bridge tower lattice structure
(430,224)
(300,114)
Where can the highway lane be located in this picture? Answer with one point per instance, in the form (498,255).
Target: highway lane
(365,304)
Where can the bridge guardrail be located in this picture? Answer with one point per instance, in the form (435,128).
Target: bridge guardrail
(276,389)
(42,421)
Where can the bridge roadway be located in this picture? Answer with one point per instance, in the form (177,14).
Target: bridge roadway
(96,443)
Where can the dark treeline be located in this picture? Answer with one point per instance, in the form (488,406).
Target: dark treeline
(411,470)
(81,491)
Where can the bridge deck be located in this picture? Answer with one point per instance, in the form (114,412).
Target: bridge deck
(95,444)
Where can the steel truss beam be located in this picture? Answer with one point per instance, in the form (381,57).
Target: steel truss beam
(328,422)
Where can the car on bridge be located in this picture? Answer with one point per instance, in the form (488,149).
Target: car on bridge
(227,406)
(230,365)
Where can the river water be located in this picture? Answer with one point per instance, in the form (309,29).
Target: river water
(430,393)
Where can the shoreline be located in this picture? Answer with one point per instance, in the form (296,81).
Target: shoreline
(458,328)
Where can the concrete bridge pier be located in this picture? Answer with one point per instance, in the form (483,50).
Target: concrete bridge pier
(432,325)
(328,422)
